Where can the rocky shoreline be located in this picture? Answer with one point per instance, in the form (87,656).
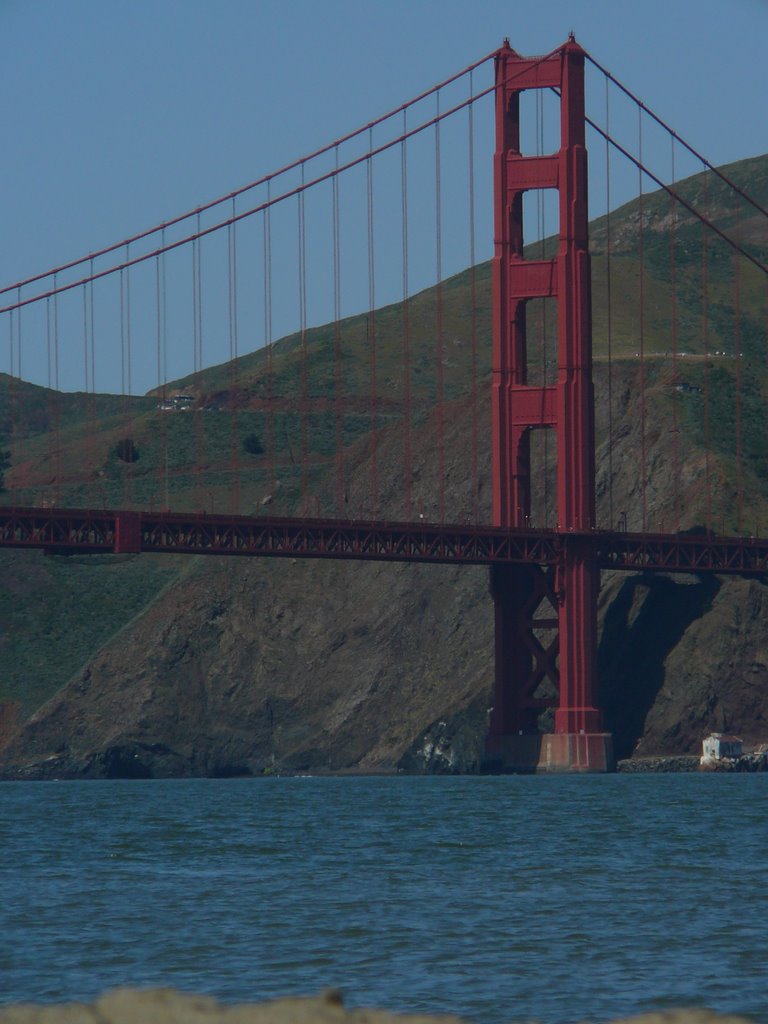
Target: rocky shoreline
(56,768)
(164,1006)
(692,763)
(660,763)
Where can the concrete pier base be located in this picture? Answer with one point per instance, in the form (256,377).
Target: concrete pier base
(550,753)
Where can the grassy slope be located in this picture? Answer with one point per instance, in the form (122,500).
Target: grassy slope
(55,613)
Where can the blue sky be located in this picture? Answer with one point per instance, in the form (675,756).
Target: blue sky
(117,115)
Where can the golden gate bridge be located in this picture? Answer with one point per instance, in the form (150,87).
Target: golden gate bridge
(366,438)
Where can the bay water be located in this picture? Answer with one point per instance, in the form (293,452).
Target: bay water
(497,898)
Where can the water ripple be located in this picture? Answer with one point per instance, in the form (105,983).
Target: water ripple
(500,899)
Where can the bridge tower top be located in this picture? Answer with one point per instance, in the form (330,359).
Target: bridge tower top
(519,406)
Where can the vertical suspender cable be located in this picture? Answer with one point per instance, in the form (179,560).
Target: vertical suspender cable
(84,293)
(128,333)
(13,396)
(92,318)
(234,447)
(162,468)
(341,494)
(57,396)
(166,469)
(123,449)
(236,345)
(270,411)
(12,390)
(92,314)
(49,347)
(473,311)
(439,322)
(609,302)
(199,413)
(407,443)
(195,333)
(705,332)
(129,368)
(164,290)
(641,257)
(200,422)
(122,341)
(162,381)
(197,301)
(49,396)
(158,331)
(372,332)
(676,496)
(89,461)
(737,357)
(21,420)
(303,405)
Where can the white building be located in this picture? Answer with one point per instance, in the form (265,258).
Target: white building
(717,745)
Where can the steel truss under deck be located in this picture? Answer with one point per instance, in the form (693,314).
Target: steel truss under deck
(68,531)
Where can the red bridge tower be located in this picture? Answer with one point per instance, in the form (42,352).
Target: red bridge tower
(546,620)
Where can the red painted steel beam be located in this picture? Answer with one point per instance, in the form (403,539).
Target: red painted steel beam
(68,531)
(727,556)
(97,532)
(577,711)
(519,407)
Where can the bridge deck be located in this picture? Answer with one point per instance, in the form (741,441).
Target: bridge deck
(68,531)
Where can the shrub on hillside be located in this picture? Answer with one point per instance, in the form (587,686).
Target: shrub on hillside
(252,444)
(126,450)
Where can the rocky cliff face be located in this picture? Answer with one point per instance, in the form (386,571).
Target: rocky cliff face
(253,666)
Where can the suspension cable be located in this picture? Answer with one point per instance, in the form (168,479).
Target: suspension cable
(283,197)
(265,180)
(723,177)
(675,195)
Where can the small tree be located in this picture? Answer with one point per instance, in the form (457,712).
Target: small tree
(126,450)
(252,444)
(5,463)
